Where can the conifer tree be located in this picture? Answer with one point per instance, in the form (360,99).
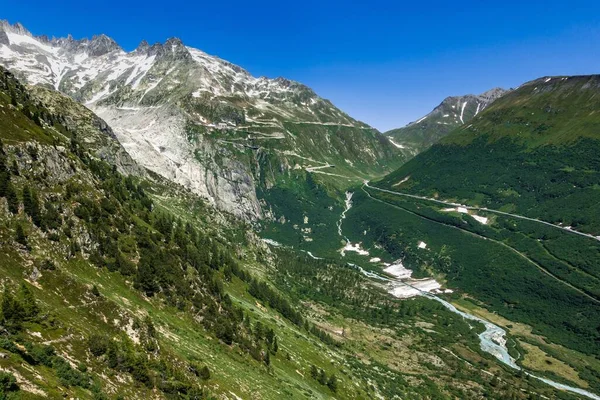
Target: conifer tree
(12,313)
(4,182)
(31,205)
(8,383)
(14,169)
(20,236)
(267,359)
(36,213)
(30,307)
(27,202)
(205,373)
(332,383)
(12,199)
(322,377)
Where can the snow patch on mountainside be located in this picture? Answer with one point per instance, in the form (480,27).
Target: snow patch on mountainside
(464,210)
(462,112)
(398,270)
(398,145)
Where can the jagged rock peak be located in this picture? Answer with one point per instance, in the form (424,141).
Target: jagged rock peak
(97,46)
(142,48)
(15,28)
(102,44)
(173,47)
(6,27)
(174,42)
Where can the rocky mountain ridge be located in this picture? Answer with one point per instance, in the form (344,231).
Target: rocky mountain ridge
(451,113)
(197,119)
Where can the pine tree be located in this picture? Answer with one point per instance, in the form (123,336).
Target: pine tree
(4,182)
(314,372)
(123,265)
(14,169)
(31,205)
(20,236)
(12,313)
(269,335)
(26,196)
(332,383)
(145,278)
(51,219)
(322,377)
(36,213)
(258,331)
(267,359)
(150,328)
(112,354)
(205,373)
(12,199)
(30,307)
(8,383)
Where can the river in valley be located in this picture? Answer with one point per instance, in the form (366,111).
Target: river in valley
(492,339)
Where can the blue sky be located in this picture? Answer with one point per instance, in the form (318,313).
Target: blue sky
(384,62)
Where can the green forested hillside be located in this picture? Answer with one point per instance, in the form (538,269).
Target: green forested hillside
(532,152)
(539,283)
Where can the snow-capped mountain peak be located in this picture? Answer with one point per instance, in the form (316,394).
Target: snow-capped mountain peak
(178,111)
(97,69)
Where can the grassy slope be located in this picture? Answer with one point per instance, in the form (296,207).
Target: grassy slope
(422,135)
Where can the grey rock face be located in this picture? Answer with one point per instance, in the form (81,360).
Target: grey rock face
(4,38)
(35,274)
(100,45)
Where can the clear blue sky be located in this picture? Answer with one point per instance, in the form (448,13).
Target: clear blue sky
(383,62)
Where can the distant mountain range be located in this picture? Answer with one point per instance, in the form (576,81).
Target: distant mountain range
(451,113)
(533,150)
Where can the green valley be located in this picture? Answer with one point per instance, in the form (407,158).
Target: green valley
(129,286)
(532,153)
(174,227)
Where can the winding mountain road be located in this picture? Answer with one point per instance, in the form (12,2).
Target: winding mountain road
(366,184)
(512,249)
